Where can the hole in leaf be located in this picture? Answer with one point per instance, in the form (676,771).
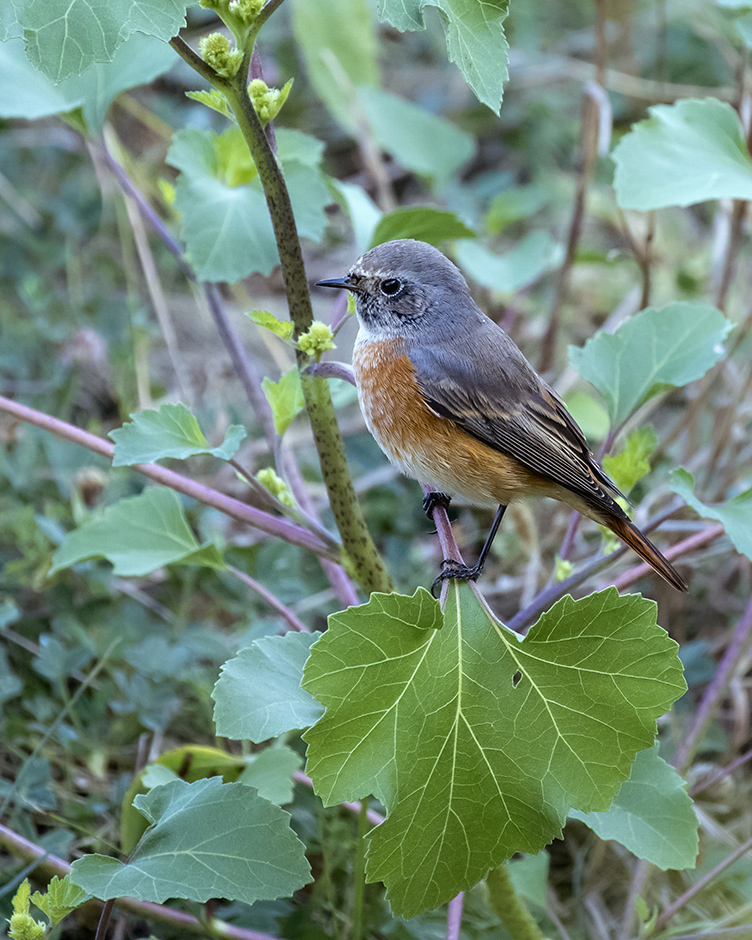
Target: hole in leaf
(516,678)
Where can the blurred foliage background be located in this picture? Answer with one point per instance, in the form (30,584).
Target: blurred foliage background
(97,320)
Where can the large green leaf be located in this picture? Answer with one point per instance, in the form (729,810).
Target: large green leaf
(270,772)
(224,218)
(422,222)
(479,743)
(258,694)
(66,37)
(207,840)
(420,141)
(170,432)
(735,515)
(535,254)
(684,153)
(339,59)
(654,348)
(137,535)
(652,815)
(27,93)
(474,35)
(285,398)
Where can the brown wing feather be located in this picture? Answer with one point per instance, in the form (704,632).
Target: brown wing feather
(488,388)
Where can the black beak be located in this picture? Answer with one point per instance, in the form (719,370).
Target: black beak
(337,282)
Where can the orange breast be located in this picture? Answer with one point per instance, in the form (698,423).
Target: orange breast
(426,446)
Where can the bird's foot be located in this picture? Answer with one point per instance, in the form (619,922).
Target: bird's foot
(454,570)
(433,500)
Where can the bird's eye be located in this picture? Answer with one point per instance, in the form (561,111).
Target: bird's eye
(391,286)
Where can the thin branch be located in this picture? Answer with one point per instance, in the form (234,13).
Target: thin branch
(293,621)
(197,63)
(454,916)
(739,643)
(51,865)
(279,528)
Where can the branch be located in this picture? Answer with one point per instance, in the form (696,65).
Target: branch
(52,865)
(234,508)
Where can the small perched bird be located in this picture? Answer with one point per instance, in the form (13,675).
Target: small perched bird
(453,403)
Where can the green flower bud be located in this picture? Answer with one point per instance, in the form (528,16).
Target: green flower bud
(216,52)
(317,340)
(246,10)
(276,486)
(24,927)
(267,101)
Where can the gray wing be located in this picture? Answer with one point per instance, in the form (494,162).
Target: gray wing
(486,386)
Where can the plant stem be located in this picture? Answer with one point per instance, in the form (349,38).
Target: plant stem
(368,568)
(234,508)
(508,906)
(359,871)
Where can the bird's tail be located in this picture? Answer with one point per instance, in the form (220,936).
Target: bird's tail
(629,533)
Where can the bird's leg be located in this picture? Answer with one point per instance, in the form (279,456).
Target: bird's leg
(456,572)
(435,500)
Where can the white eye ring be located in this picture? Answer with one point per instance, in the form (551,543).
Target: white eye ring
(391,286)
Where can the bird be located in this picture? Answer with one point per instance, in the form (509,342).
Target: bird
(453,403)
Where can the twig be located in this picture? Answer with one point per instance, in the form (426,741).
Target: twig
(280,528)
(714,691)
(719,774)
(52,865)
(293,621)
(454,916)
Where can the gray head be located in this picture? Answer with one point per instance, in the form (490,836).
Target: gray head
(401,285)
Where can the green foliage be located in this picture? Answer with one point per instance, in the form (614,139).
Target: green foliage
(338,60)
(137,535)
(420,141)
(632,463)
(22,925)
(536,254)
(225,221)
(415,701)
(259,696)
(474,35)
(735,515)
(285,398)
(270,771)
(684,153)
(172,431)
(28,93)
(281,328)
(651,350)
(652,815)
(61,898)
(428,225)
(206,840)
(65,38)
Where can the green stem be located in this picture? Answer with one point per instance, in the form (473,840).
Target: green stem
(359,871)
(508,906)
(367,566)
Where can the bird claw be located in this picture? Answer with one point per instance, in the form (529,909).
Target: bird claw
(453,571)
(435,500)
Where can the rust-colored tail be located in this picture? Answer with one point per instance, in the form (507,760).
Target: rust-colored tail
(629,533)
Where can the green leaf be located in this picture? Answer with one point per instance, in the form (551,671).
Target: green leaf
(27,93)
(285,398)
(529,877)
(652,815)
(66,37)
(684,153)
(479,743)
(735,515)
(514,204)
(428,225)
(654,348)
(10,684)
(363,211)
(137,535)
(270,771)
(170,432)
(225,221)
(532,257)
(474,36)
(10,28)
(588,413)
(420,141)
(281,328)
(207,840)
(61,897)
(632,463)
(258,694)
(337,59)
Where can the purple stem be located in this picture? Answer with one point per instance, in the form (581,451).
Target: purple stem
(719,774)
(454,916)
(293,621)
(280,528)
(716,688)
(332,370)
